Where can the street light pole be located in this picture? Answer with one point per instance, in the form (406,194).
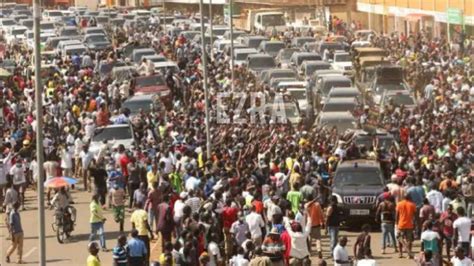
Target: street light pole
(231,26)
(210,26)
(206,89)
(39,132)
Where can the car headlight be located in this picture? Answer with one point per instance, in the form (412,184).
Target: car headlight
(338,197)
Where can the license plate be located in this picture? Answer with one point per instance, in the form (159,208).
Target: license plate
(359,212)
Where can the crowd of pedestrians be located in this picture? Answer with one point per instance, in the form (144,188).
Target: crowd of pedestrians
(261,198)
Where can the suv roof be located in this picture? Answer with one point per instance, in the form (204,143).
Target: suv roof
(360,163)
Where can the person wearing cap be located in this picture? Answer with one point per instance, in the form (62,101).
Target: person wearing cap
(274,248)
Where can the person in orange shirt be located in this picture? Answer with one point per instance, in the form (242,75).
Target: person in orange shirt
(314,210)
(448,182)
(405,215)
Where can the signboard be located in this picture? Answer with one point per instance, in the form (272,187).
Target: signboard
(454,16)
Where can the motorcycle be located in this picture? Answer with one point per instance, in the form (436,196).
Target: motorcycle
(63,223)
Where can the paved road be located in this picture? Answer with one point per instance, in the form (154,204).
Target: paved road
(75,252)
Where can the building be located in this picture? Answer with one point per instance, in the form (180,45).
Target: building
(432,16)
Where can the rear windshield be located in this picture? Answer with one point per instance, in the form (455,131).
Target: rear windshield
(274,47)
(112,133)
(47,26)
(329,85)
(262,62)
(150,81)
(55,14)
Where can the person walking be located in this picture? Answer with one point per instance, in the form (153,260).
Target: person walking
(314,210)
(462,231)
(431,241)
(139,220)
(340,254)
(362,243)
(447,219)
(405,215)
(164,220)
(119,252)
(16,230)
(333,221)
(386,214)
(118,204)
(97,221)
(274,248)
(137,251)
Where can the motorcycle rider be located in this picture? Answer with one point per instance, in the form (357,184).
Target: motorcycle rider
(61,202)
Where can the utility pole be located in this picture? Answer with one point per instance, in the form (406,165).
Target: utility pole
(231,26)
(210,26)
(205,85)
(39,132)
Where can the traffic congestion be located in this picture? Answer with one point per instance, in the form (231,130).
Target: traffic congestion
(300,134)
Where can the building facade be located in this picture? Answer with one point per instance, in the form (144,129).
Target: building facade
(432,16)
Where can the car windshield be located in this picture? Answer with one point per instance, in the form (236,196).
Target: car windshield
(329,85)
(28,23)
(287,53)
(273,20)
(281,75)
(262,62)
(358,177)
(18,32)
(102,19)
(73,51)
(148,81)
(69,32)
(367,141)
(55,14)
(310,69)
(341,123)
(389,87)
(342,58)
(219,32)
(338,107)
(274,47)
(301,59)
(8,22)
(135,106)
(95,31)
(404,99)
(47,26)
(111,133)
(298,94)
(42,38)
(242,56)
(291,111)
(97,38)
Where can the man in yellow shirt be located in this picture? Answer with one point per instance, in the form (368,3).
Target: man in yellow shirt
(97,220)
(139,220)
(93,258)
(152,175)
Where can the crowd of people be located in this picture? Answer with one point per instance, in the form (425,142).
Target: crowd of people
(262,197)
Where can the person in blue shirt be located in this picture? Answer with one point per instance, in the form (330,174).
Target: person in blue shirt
(119,253)
(136,250)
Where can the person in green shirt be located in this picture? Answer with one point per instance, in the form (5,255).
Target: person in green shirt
(294,197)
(97,220)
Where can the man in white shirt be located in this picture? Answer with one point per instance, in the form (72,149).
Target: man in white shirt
(19,180)
(215,257)
(462,230)
(86,159)
(340,255)
(255,223)
(460,259)
(436,199)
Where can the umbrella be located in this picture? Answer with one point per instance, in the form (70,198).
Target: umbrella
(61,181)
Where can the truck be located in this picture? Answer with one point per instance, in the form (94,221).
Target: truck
(265,20)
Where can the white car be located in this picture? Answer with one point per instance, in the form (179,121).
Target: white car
(30,41)
(342,61)
(6,23)
(114,135)
(16,34)
(53,15)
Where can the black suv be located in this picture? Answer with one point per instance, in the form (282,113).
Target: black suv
(356,184)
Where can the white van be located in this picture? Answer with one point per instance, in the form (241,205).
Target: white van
(53,15)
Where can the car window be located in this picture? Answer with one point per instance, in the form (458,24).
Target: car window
(358,177)
(111,133)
